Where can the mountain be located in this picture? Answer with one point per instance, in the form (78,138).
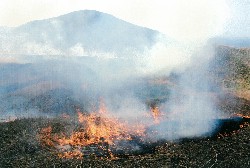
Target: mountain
(86,32)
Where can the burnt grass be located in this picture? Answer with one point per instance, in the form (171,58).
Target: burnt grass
(19,147)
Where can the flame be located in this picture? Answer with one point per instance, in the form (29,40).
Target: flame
(156,114)
(98,129)
(45,136)
(100,132)
(240,115)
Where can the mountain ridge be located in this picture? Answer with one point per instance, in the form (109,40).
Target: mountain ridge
(79,33)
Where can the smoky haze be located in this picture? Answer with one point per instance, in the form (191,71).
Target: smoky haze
(117,59)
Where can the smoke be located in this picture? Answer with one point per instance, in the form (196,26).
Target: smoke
(165,57)
(122,81)
(190,107)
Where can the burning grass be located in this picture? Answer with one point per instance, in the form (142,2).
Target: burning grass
(97,133)
(19,148)
(102,135)
(99,139)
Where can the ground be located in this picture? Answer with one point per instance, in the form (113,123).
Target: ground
(19,148)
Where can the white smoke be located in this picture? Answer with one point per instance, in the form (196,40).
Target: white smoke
(190,24)
(164,57)
(77,50)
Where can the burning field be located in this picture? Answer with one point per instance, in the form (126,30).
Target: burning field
(167,122)
(103,135)
(99,139)
(91,90)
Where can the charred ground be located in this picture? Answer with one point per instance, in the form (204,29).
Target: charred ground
(21,148)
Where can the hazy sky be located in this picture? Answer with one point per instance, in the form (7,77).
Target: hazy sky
(181,19)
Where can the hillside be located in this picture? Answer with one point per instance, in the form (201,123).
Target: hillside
(231,67)
(85,32)
(59,86)
(230,73)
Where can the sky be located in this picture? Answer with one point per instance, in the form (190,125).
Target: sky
(180,19)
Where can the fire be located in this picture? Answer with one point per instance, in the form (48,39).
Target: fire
(102,108)
(240,115)
(99,133)
(97,130)
(45,136)
(98,126)
(156,114)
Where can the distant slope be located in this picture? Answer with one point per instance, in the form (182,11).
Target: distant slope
(78,33)
(230,69)
(232,66)
(31,88)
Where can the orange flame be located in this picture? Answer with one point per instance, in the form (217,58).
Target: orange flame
(96,128)
(100,131)
(155,112)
